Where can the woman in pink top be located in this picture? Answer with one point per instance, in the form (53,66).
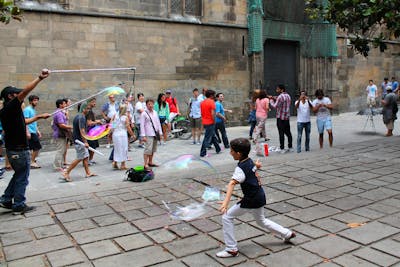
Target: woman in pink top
(262,108)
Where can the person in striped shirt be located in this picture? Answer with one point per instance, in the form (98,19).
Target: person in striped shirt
(282,105)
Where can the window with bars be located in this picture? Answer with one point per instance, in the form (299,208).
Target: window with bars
(189,7)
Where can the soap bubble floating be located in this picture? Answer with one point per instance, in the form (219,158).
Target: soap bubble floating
(185,162)
(187,213)
(211,194)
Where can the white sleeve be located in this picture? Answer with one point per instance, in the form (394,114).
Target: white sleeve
(327,101)
(239,175)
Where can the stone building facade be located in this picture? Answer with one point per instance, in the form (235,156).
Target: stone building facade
(180,45)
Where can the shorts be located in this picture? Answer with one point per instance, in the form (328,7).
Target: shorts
(163,120)
(371,101)
(324,124)
(93,143)
(195,123)
(34,142)
(150,147)
(81,152)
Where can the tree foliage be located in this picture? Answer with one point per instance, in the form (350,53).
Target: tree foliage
(366,22)
(9,11)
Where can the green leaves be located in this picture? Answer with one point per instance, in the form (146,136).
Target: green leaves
(371,21)
(8,11)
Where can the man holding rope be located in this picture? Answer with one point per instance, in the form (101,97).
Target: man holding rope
(16,143)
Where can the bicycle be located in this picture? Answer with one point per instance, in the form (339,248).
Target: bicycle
(180,128)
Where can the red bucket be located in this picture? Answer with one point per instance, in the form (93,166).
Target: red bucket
(265,149)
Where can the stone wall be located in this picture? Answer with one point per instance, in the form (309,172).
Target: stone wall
(179,56)
(352,72)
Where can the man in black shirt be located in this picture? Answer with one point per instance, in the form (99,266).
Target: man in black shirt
(16,143)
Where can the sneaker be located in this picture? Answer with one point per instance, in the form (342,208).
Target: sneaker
(291,149)
(2,171)
(194,142)
(108,146)
(6,205)
(227,254)
(199,143)
(92,162)
(23,209)
(140,146)
(278,150)
(287,239)
(283,151)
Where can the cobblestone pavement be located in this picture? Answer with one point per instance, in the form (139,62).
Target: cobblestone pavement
(343,203)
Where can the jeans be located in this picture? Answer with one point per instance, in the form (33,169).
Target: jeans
(252,126)
(284,129)
(209,137)
(20,162)
(307,128)
(220,126)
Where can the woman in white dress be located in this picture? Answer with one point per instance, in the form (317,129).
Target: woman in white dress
(121,128)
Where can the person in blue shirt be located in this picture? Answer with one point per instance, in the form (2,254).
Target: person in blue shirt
(395,85)
(220,119)
(33,132)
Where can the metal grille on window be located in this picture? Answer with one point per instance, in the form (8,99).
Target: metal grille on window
(192,7)
(176,6)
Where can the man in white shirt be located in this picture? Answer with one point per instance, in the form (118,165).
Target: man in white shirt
(323,106)
(303,106)
(372,94)
(140,107)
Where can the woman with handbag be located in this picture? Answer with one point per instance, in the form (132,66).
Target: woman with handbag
(150,131)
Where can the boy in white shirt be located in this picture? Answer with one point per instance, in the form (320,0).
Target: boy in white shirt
(323,106)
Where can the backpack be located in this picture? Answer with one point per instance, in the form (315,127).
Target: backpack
(138,174)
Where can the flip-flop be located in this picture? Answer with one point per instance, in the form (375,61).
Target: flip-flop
(91,175)
(153,165)
(35,167)
(66,177)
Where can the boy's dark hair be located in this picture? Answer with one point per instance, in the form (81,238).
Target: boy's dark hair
(319,92)
(139,94)
(32,97)
(217,96)
(282,87)
(149,100)
(241,145)
(210,93)
(59,102)
(195,89)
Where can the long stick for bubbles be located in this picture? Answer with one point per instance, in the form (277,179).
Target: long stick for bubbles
(91,70)
(80,101)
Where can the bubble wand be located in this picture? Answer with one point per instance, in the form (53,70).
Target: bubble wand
(110,90)
(91,149)
(91,70)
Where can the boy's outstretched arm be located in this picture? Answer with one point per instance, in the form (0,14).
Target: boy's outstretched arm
(224,206)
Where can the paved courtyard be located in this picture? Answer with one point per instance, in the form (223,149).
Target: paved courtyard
(343,203)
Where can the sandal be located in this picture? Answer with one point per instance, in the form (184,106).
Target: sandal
(66,177)
(153,165)
(90,175)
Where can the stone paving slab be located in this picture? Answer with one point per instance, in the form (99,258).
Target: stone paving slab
(370,232)
(36,247)
(136,258)
(330,246)
(317,194)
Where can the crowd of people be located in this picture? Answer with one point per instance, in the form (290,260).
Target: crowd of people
(149,121)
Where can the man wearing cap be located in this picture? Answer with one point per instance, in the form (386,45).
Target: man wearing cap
(16,143)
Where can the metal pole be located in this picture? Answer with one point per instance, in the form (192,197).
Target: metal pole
(92,70)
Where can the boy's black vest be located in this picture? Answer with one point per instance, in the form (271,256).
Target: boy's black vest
(253,193)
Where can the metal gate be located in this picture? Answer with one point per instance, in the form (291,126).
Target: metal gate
(280,67)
